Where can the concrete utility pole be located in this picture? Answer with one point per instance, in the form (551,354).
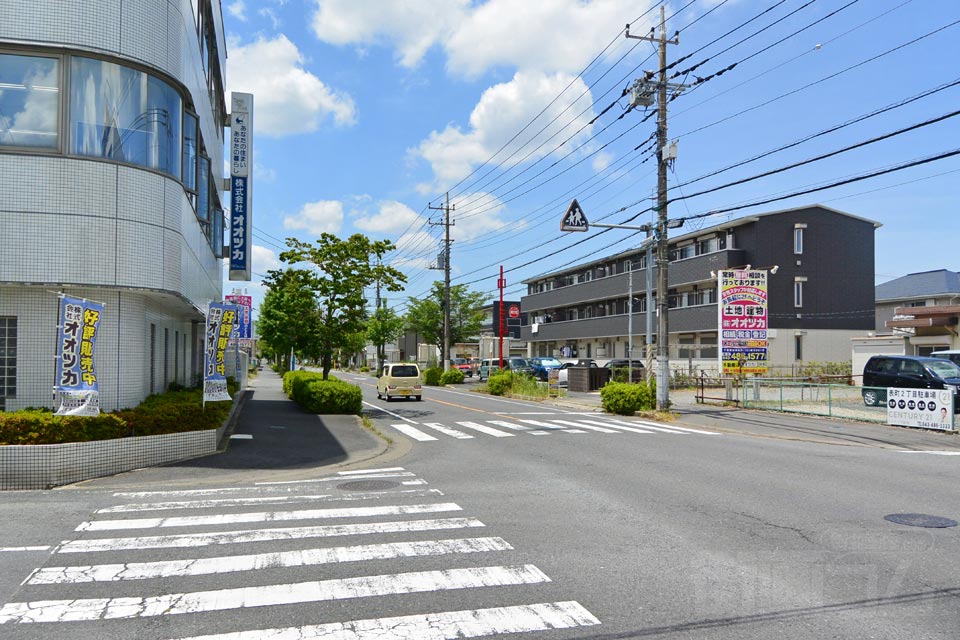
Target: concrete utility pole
(446,279)
(663,344)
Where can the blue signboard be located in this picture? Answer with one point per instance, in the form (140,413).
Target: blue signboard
(239,252)
(77,384)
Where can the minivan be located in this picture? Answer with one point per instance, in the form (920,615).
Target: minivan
(399,380)
(909,372)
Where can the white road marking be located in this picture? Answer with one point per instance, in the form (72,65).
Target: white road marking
(681,429)
(241,436)
(509,425)
(538,432)
(265,516)
(528,413)
(545,425)
(446,625)
(261,535)
(607,424)
(398,474)
(645,425)
(369,471)
(390,413)
(413,432)
(266,596)
(410,483)
(584,424)
(453,433)
(935,453)
(13,549)
(490,431)
(241,502)
(254,562)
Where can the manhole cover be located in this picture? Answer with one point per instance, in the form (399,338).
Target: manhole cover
(369,485)
(920,520)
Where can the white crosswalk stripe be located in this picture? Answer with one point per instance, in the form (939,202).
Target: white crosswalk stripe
(542,427)
(131,590)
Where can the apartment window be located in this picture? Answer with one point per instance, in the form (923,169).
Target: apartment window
(191,146)
(798,291)
(798,347)
(8,360)
(798,238)
(29,101)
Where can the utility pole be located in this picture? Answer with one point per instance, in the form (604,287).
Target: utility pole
(446,278)
(642,89)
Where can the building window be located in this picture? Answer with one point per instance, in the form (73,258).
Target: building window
(29,101)
(798,239)
(191,149)
(798,292)
(798,347)
(8,360)
(123,114)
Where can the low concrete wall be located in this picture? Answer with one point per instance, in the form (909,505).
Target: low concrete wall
(44,466)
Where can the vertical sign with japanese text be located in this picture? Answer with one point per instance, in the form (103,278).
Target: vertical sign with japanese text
(743,321)
(241,160)
(77,387)
(221,319)
(244,321)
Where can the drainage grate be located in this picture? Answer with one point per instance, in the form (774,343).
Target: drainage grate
(920,520)
(368,485)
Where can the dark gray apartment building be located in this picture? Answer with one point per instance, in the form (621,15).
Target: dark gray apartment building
(820,297)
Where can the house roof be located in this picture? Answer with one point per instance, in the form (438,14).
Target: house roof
(918,285)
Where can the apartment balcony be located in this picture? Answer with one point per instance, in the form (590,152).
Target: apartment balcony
(686,271)
(682,320)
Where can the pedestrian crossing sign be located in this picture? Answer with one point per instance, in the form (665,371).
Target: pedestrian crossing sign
(574,219)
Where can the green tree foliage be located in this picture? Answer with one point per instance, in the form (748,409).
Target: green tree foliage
(288,316)
(384,326)
(339,271)
(425,315)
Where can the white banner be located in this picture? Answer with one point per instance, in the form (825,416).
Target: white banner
(921,408)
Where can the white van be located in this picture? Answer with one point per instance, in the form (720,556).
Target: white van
(949,354)
(399,380)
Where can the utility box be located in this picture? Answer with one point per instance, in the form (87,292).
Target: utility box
(586,379)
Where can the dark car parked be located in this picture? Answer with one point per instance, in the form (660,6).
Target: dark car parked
(907,372)
(542,366)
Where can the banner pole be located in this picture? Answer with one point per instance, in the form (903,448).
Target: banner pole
(56,348)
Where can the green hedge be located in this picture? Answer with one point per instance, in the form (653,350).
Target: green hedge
(171,412)
(452,376)
(432,376)
(624,398)
(500,383)
(330,397)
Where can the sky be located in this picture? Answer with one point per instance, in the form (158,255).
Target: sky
(368,112)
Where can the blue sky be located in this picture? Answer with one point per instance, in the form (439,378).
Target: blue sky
(367,111)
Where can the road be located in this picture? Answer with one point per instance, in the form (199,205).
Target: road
(500,518)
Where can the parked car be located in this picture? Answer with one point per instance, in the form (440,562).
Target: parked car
(399,380)
(488,366)
(519,365)
(909,372)
(953,355)
(492,365)
(464,365)
(542,367)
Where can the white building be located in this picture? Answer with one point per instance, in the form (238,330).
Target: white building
(112,119)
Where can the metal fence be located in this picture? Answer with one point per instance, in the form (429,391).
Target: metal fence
(794,396)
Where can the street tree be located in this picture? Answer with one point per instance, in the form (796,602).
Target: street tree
(425,315)
(340,271)
(384,326)
(288,316)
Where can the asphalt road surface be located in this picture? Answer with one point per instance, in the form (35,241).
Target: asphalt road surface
(496,518)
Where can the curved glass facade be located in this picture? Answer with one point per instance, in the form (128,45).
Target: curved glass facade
(29,101)
(123,114)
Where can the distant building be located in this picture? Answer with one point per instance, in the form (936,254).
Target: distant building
(924,307)
(112,120)
(821,296)
(511,319)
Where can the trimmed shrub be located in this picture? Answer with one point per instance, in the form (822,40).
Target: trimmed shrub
(624,399)
(432,376)
(500,383)
(330,397)
(453,376)
(40,426)
(294,382)
(364,369)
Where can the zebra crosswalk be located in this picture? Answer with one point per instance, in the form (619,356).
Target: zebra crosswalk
(190,564)
(467,430)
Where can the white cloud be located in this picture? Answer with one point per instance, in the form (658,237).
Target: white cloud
(411,27)
(237,10)
(325,216)
(485,216)
(503,110)
(601,161)
(271,15)
(264,259)
(288,98)
(391,216)
(526,35)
